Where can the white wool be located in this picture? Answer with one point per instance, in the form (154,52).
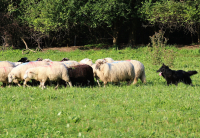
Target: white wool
(139,69)
(95,73)
(115,72)
(53,72)
(86,61)
(6,64)
(108,60)
(47,60)
(17,63)
(17,73)
(100,60)
(70,63)
(4,71)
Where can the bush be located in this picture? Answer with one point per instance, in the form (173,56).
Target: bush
(158,52)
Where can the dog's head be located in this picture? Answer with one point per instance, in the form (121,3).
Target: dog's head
(162,68)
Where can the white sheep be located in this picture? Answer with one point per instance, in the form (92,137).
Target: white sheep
(47,60)
(86,61)
(138,68)
(115,72)
(49,72)
(70,63)
(17,73)
(100,60)
(4,71)
(95,73)
(6,64)
(17,63)
(139,71)
(108,60)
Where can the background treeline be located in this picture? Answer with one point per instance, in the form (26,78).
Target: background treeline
(46,23)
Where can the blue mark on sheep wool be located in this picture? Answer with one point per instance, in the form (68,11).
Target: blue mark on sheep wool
(118,61)
(67,63)
(27,63)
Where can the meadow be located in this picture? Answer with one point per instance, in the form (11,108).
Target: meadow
(142,110)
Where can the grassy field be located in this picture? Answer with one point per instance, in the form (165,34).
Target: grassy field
(150,110)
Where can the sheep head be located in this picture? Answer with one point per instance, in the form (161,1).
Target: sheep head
(99,64)
(11,77)
(39,59)
(65,59)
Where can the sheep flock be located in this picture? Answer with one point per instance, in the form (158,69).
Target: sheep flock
(69,72)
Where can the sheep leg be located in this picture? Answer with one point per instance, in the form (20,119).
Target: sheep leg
(57,85)
(98,82)
(25,84)
(143,78)
(135,80)
(50,83)
(70,83)
(129,82)
(18,84)
(105,84)
(4,85)
(42,85)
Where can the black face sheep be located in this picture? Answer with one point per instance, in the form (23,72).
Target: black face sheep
(115,72)
(39,59)
(81,74)
(24,59)
(65,59)
(50,72)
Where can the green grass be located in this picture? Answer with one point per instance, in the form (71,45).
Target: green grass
(151,110)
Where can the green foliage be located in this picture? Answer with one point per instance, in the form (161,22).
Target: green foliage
(172,14)
(158,51)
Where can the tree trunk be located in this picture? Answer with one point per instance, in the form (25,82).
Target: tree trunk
(7,40)
(132,33)
(198,32)
(115,34)
(24,43)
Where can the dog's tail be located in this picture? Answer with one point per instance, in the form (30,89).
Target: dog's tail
(192,73)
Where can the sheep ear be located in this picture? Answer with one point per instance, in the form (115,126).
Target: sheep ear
(30,72)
